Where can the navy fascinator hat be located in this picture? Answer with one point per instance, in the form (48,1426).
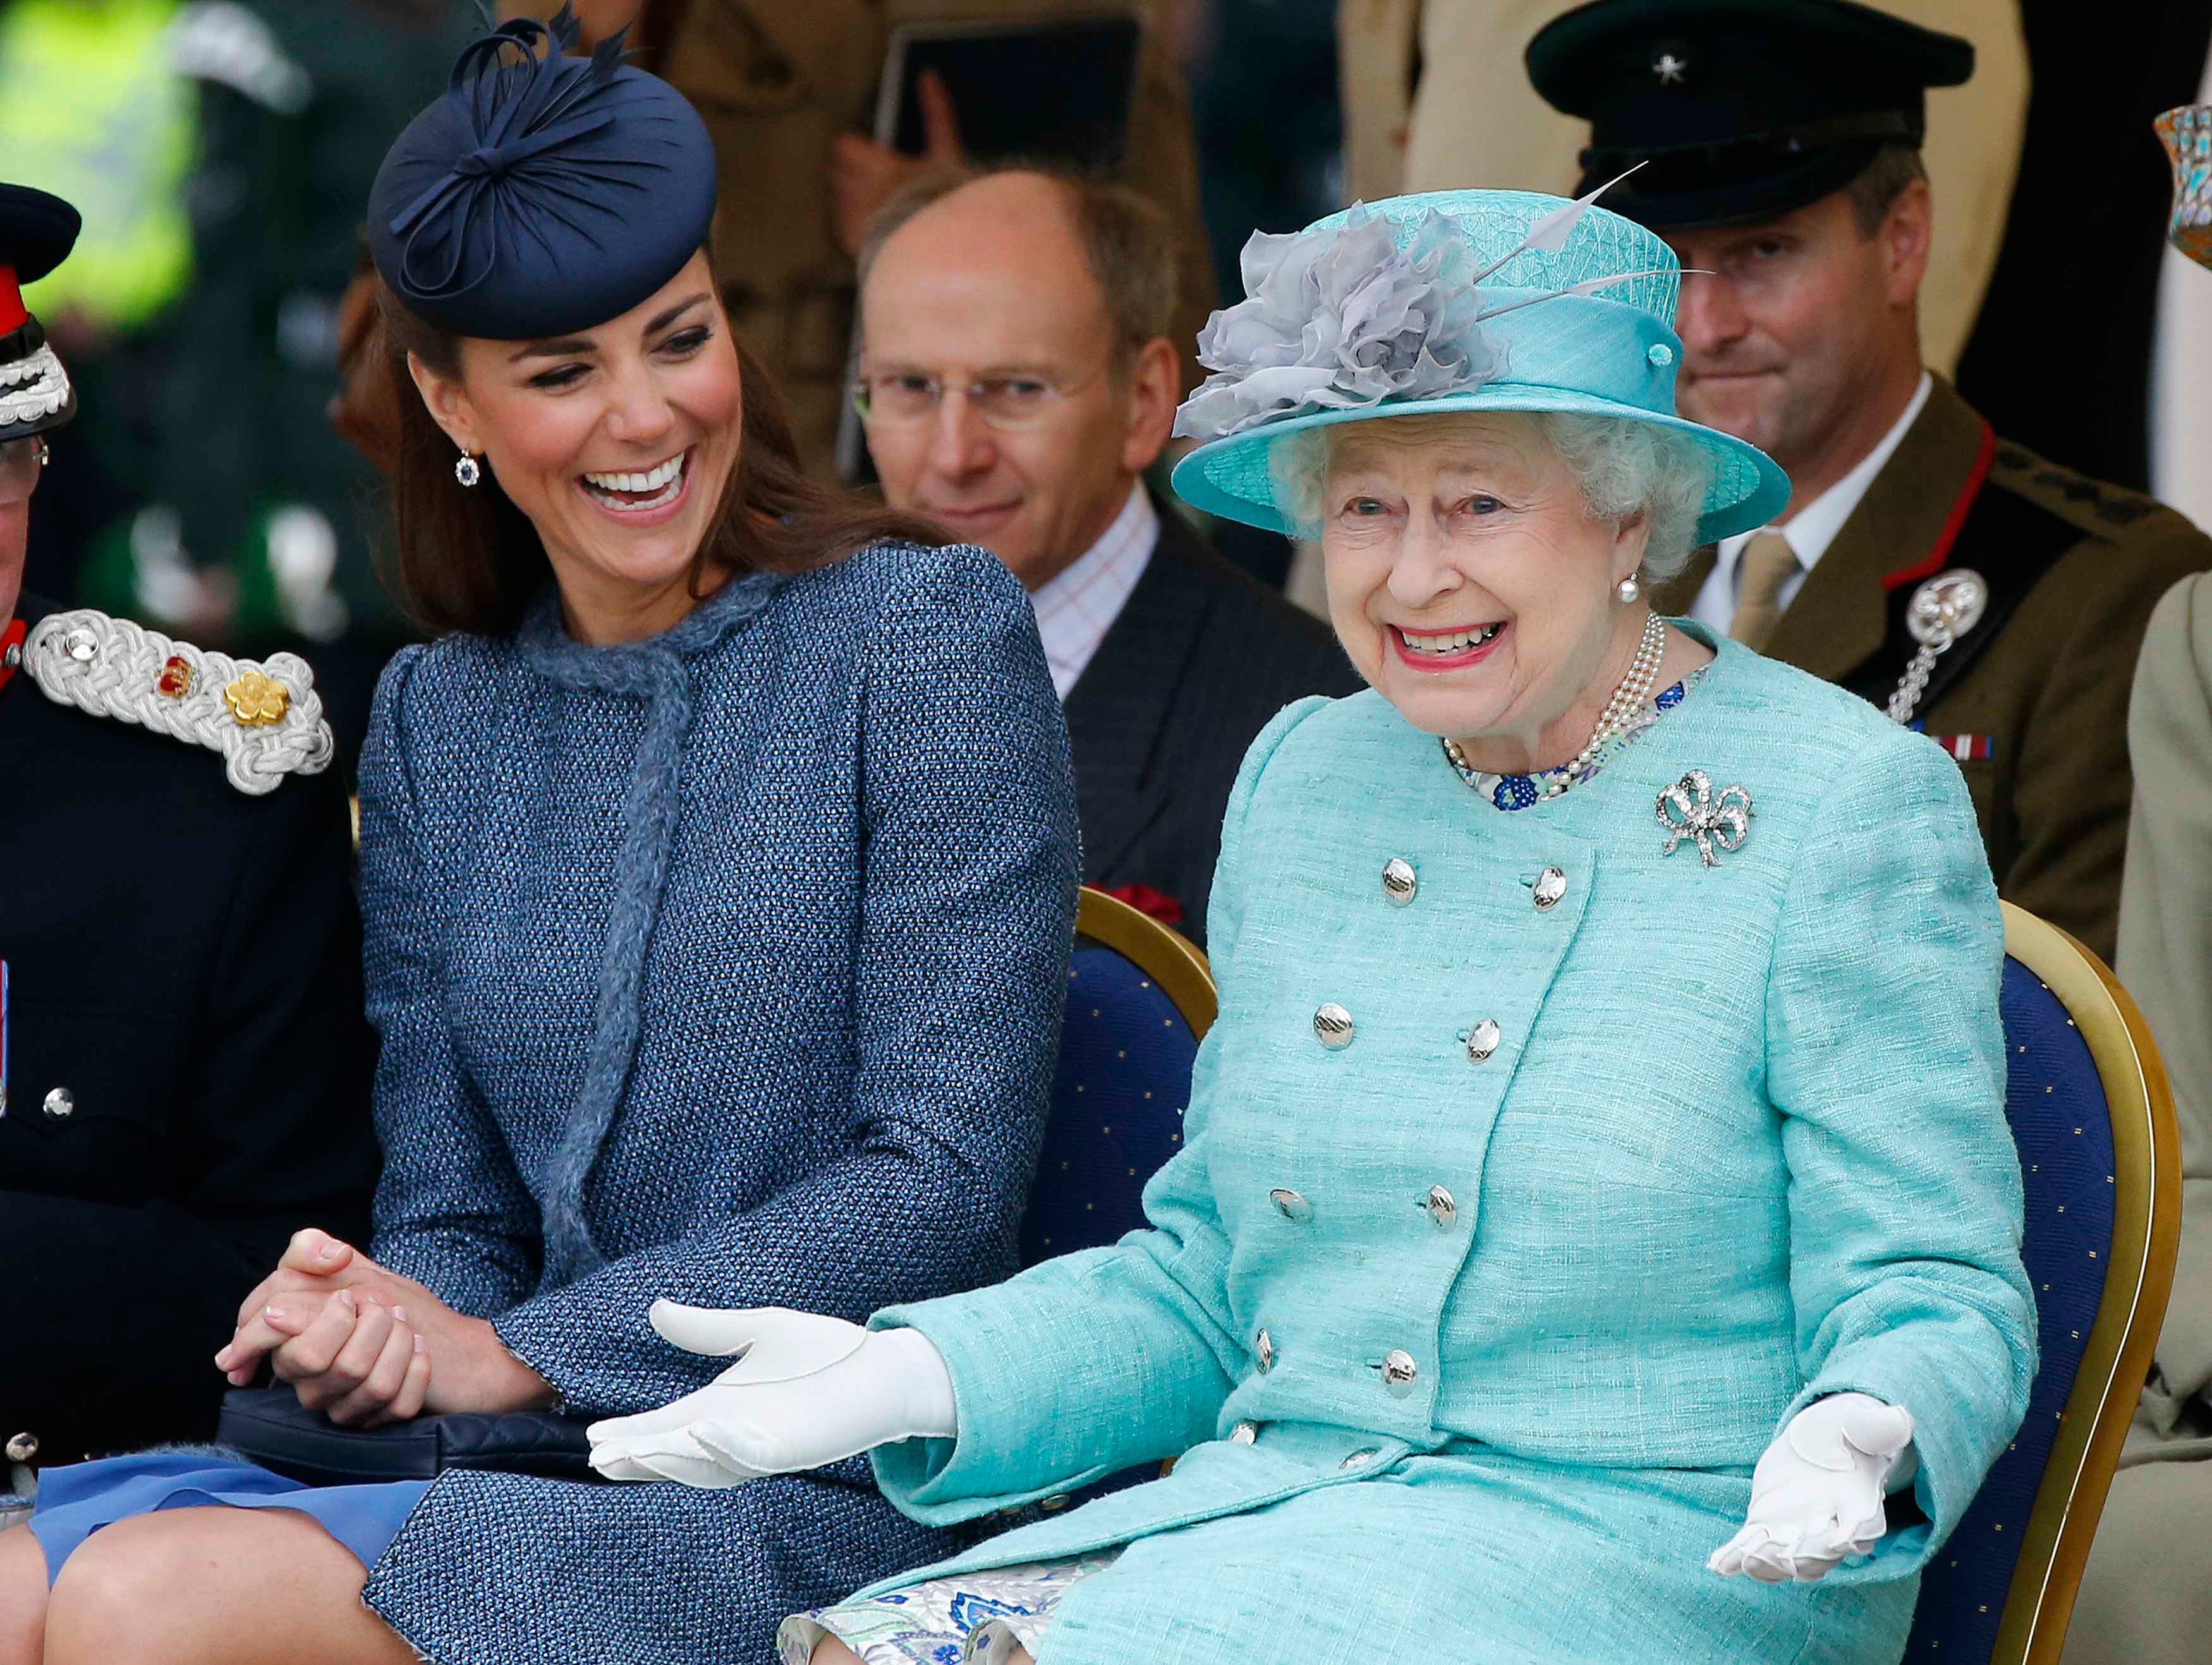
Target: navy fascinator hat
(541,194)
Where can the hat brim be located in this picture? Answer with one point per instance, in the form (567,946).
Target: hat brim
(1231,478)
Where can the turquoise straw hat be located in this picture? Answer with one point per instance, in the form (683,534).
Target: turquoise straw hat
(1449,300)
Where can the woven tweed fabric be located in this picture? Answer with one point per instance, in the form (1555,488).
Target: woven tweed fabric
(726,967)
(1740,1144)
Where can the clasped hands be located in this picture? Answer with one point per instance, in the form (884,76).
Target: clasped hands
(809,1390)
(367,1346)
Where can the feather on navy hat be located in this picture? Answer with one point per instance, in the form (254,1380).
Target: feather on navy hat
(543,194)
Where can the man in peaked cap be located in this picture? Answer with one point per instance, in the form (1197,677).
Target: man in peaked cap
(1988,597)
(184,1061)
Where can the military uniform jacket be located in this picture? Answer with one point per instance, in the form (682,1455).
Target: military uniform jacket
(187,1065)
(1468,1310)
(2031,701)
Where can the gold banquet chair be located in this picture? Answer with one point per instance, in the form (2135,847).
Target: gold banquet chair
(2101,1166)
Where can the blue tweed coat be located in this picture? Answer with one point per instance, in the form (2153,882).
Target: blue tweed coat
(726,967)
(1740,1142)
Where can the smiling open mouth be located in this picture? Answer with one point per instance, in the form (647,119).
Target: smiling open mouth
(636,493)
(1453,644)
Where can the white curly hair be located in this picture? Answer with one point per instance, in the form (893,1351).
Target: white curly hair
(1625,467)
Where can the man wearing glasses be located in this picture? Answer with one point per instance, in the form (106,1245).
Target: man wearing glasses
(184,1061)
(1016,379)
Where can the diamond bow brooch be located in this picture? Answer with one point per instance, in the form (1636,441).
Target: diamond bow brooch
(1688,809)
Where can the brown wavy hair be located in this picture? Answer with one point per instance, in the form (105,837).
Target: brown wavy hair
(469,560)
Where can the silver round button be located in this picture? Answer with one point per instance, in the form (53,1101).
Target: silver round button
(1244,1433)
(1482,1039)
(21,1447)
(60,1104)
(14,657)
(1551,885)
(1290,1205)
(1263,1351)
(1443,1206)
(1332,1027)
(81,645)
(1400,1372)
(1399,882)
(1366,1454)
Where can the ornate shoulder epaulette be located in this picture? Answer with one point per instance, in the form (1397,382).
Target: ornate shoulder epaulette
(265,718)
(2111,508)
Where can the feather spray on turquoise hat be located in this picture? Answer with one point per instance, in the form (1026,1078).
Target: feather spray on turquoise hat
(1449,300)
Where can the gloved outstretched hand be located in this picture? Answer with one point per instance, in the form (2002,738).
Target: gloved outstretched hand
(1816,1496)
(806,1391)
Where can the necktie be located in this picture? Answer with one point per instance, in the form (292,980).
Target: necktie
(1767,564)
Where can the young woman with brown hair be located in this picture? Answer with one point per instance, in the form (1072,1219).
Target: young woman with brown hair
(718,868)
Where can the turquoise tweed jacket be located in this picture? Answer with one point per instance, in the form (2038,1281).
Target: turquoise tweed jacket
(1740,1144)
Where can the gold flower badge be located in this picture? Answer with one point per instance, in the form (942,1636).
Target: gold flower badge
(257,700)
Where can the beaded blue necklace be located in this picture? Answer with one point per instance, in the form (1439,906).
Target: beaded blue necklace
(1518,792)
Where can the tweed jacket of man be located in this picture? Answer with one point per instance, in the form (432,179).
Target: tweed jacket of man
(1468,1331)
(724,967)
(1197,661)
(2033,700)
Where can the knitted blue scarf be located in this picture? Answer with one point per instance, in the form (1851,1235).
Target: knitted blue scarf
(656,670)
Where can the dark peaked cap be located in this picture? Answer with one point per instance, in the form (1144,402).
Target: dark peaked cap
(1743,109)
(37,231)
(541,194)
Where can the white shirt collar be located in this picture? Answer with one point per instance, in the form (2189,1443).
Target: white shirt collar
(1076,608)
(1815,527)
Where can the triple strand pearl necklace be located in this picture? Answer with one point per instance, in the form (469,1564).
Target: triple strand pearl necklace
(1627,699)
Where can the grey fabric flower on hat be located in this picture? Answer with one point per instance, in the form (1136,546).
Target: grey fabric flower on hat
(1341,320)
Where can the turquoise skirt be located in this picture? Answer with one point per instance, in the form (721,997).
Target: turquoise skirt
(76,1501)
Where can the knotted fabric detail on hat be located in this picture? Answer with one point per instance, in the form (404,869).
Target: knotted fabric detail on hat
(1341,318)
(525,113)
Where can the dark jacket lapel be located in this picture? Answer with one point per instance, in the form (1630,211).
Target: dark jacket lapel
(1118,706)
(1841,615)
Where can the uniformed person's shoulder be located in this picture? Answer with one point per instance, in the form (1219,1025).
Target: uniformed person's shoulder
(129,689)
(1796,721)
(2094,509)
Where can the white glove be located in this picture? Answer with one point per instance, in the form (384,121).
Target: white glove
(1816,1496)
(807,1391)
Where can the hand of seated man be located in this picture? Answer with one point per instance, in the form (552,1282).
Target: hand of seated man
(806,1391)
(1816,1496)
(342,1330)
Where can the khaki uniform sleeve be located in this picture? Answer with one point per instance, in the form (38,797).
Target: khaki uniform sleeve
(2072,787)
(2166,943)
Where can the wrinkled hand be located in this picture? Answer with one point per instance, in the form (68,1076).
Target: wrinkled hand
(326,1318)
(1816,1496)
(806,1391)
(865,175)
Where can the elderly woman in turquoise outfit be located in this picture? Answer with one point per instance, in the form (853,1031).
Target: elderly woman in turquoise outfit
(1595,1186)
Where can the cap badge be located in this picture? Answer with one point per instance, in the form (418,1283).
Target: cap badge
(257,700)
(1671,62)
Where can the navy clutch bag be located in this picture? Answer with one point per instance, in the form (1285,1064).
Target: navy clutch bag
(270,1426)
